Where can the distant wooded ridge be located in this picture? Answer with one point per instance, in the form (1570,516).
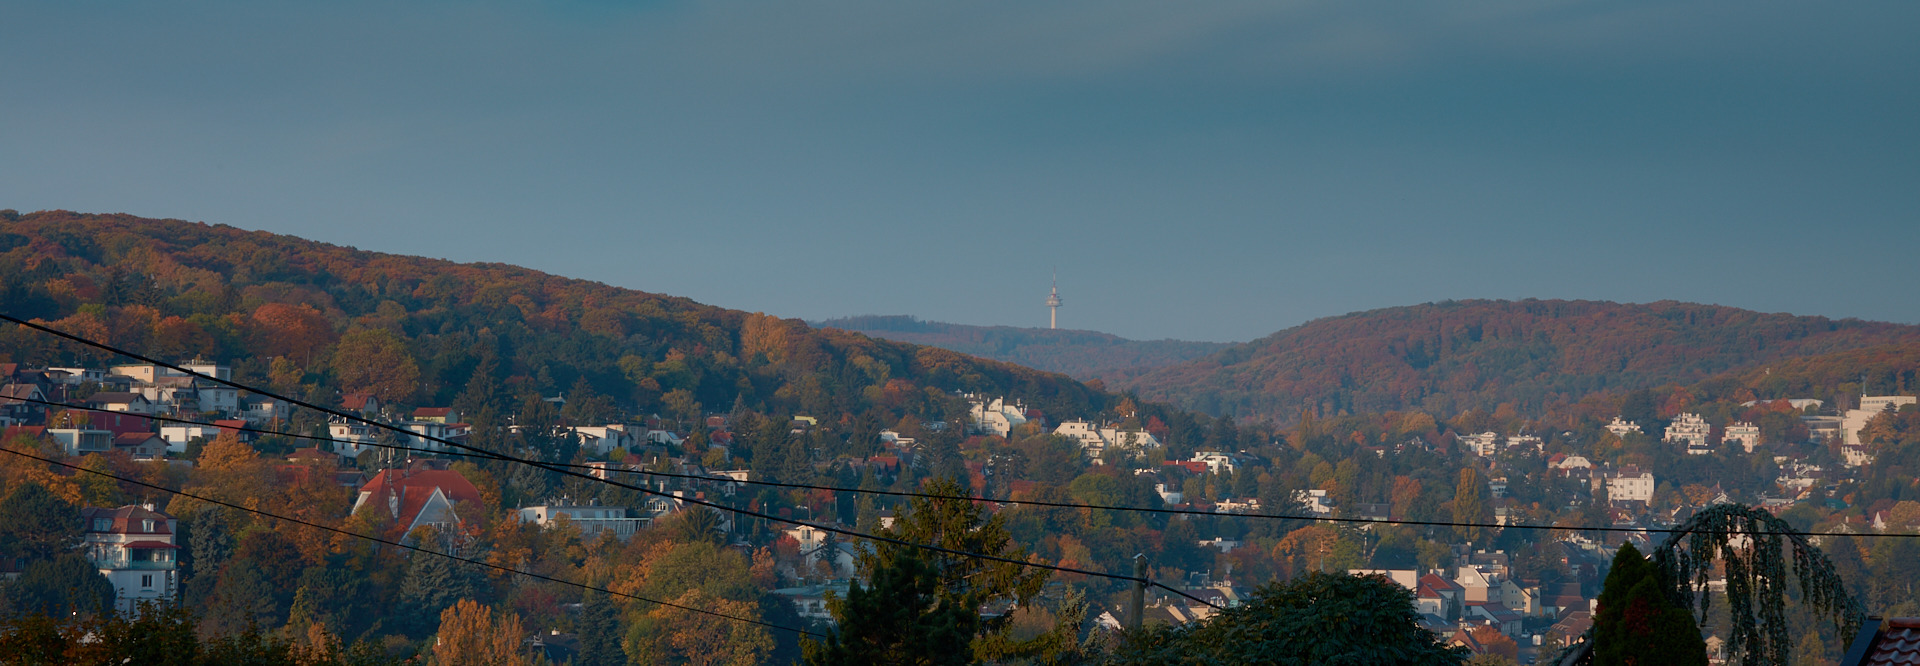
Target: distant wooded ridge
(1083,355)
(1451,356)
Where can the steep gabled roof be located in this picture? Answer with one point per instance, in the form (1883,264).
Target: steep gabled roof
(405,494)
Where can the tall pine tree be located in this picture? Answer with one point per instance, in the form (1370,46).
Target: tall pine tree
(1637,623)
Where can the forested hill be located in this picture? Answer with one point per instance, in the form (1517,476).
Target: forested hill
(1450,356)
(1081,354)
(292,312)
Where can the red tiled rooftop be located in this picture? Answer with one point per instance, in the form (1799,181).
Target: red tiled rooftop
(1896,643)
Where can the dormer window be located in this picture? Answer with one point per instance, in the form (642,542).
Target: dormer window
(102,524)
(146,525)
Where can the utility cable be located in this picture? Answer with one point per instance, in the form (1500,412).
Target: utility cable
(398,544)
(570,472)
(898,493)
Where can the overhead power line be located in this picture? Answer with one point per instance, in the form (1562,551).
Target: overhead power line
(899,493)
(570,472)
(398,544)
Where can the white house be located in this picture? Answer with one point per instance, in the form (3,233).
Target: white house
(1691,430)
(997,417)
(592,519)
(1620,427)
(1481,444)
(133,547)
(602,439)
(1747,434)
(1630,483)
(82,441)
(1095,440)
(1216,461)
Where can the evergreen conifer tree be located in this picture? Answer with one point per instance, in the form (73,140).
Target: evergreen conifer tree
(600,632)
(897,619)
(1637,623)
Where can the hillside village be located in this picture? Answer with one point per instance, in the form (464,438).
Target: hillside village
(1480,597)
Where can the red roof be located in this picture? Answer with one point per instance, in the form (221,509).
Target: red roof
(152,544)
(355,400)
(1893,641)
(126,520)
(432,412)
(412,489)
(1437,584)
(120,423)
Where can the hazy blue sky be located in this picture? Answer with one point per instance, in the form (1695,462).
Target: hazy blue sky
(1214,170)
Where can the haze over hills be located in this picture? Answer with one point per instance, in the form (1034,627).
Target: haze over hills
(1082,355)
(1450,356)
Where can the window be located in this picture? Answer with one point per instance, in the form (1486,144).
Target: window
(146,580)
(102,524)
(146,525)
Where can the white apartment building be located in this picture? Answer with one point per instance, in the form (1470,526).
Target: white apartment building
(1620,427)
(1747,434)
(1095,440)
(998,417)
(1482,444)
(1692,430)
(1851,448)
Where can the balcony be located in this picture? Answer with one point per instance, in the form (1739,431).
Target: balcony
(140,565)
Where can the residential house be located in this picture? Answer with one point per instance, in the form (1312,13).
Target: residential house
(1434,594)
(1893,640)
(997,417)
(140,445)
(1746,434)
(15,408)
(1692,430)
(1316,501)
(1620,427)
(1629,484)
(82,441)
(366,404)
(178,436)
(264,410)
(417,498)
(600,440)
(436,415)
(1215,461)
(592,519)
(1095,440)
(1481,444)
(133,547)
(116,401)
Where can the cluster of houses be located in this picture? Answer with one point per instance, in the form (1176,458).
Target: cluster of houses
(998,417)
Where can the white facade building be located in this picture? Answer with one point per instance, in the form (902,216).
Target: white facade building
(1096,440)
(1691,430)
(592,519)
(82,441)
(1620,427)
(1851,448)
(1630,484)
(1482,444)
(133,547)
(998,417)
(1216,461)
(1747,434)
